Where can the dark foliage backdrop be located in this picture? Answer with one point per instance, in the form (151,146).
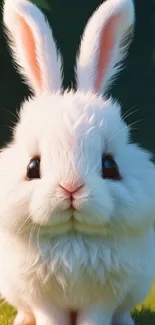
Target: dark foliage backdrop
(135,88)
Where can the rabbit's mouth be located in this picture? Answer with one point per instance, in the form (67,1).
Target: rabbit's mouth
(75,222)
(67,227)
(71,225)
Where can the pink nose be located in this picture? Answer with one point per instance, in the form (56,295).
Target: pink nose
(71,188)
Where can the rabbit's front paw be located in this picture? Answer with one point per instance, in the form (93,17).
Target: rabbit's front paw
(123,319)
(51,315)
(24,319)
(95,316)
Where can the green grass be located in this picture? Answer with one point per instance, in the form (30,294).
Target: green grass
(143,314)
(7,314)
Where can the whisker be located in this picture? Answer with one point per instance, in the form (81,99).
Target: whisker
(128,111)
(20,229)
(38,241)
(125,127)
(131,113)
(102,223)
(118,221)
(29,266)
(10,112)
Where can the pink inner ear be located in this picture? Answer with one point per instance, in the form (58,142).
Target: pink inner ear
(107,41)
(30,51)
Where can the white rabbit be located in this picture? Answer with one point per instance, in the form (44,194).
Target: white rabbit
(77,202)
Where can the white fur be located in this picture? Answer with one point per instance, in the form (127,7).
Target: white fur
(103,263)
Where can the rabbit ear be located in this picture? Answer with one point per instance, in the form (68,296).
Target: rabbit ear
(32,45)
(104,44)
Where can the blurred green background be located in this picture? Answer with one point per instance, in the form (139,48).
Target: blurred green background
(135,87)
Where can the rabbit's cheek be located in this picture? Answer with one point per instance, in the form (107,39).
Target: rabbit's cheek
(51,211)
(92,211)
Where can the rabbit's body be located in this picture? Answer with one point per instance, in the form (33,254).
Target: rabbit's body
(77,202)
(73,275)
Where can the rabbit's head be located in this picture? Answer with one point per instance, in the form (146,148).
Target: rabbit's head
(70,165)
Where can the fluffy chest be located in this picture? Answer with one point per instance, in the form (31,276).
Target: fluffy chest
(74,271)
(79,271)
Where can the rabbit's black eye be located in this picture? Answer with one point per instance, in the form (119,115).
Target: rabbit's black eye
(109,168)
(33,169)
